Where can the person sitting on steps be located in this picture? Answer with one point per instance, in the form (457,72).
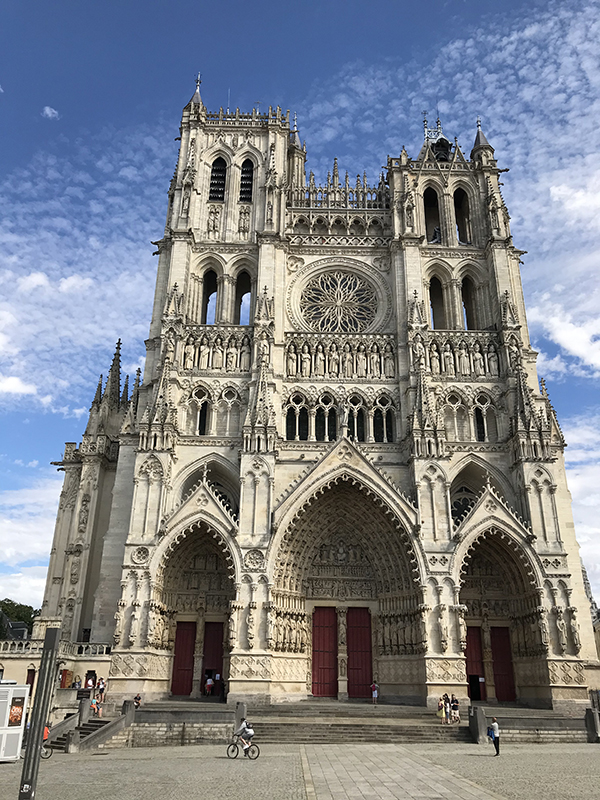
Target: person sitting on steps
(245,732)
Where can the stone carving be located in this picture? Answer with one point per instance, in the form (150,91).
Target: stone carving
(140,665)
(289,629)
(446,671)
(140,555)
(254,561)
(244,221)
(250,667)
(214,216)
(289,669)
(574,629)
(566,672)
(338,301)
(357,358)
(561,629)
(217,347)
(75,569)
(84,512)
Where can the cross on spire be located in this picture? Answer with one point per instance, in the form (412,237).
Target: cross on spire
(198,81)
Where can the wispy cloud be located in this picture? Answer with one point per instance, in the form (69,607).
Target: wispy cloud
(49,113)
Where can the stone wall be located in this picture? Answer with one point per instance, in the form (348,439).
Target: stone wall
(176,734)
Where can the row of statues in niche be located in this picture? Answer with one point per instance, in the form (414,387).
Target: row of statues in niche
(228,355)
(468,360)
(334,361)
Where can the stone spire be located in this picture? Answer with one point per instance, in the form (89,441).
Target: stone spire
(112,390)
(481,143)
(98,395)
(196,99)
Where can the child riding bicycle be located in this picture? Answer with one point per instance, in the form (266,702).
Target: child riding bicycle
(245,732)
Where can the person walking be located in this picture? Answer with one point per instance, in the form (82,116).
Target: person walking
(496,736)
(455,709)
(374,692)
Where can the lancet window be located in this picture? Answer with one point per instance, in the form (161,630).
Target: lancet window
(228,417)
(431,206)
(243,296)
(209,297)
(383,420)
(468,304)
(218,175)
(436,302)
(201,412)
(296,419)
(246,181)
(462,217)
(356,418)
(326,419)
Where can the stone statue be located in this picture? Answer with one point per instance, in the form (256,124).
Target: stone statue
(437,236)
(292,361)
(434,360)
(320,362)
(574,628)
(231,357)
(561,629)
(334,361)
(264,348)
(409,213)
(374,362)
(305,360)
(543,626)
(389,362)
(361,362)
(189,353)
(217,354)
(245,355)
(203,353)
(463,360)
(492,360)
(418,353)
(449,360)
(347,362)
(478,364)
(170,349)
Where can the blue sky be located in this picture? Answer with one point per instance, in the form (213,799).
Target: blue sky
(90,102)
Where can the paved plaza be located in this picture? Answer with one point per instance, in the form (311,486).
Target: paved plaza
(309,772)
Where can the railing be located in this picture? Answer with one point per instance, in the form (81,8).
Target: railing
(344,196)
(34,647)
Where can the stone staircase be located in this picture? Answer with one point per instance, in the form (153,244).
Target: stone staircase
(542,726)
(322,722)
(91,726)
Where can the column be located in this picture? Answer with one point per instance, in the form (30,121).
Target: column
(342,653)
(198,654)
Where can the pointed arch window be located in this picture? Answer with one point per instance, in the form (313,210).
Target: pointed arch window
(468,303)
(326,420)
(201,412)
(433,231)
(436,302)
(462,217)
(246,181)
(383,420)
(218,175)
(356,419)
(209,297)
(243,296)
(296,419)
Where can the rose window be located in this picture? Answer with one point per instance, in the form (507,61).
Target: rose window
(338,301)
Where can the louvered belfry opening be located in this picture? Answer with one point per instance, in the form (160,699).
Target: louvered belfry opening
(217,179)
(246,181)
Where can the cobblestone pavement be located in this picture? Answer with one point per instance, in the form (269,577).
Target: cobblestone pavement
(311,772)
(528,771)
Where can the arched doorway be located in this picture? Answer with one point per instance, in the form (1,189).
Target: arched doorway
(505,649)
(346,592)
(194,589)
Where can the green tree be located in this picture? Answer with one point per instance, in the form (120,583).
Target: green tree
(17,612)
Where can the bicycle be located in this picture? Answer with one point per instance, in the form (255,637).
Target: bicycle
(233,750)
(45,752)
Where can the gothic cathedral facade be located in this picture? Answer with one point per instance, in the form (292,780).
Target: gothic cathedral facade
(339,466)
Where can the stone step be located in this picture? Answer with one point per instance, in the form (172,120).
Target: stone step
(323,733)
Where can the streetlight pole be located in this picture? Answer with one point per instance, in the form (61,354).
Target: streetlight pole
(39,716)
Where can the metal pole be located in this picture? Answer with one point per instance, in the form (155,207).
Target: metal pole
(39,716)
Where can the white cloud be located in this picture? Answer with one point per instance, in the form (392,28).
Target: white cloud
(24,585)
(14,385)
(27,518)
(1,90)
(50,113)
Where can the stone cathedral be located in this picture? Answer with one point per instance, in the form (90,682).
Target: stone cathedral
(339,465)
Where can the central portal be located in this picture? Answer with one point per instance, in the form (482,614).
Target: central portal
(342,661)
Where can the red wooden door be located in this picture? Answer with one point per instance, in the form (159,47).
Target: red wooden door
(212,665)
(183,662)
(324,653)
(360,660)
(477,690)
(503,669)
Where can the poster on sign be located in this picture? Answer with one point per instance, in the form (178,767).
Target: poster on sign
(13,714)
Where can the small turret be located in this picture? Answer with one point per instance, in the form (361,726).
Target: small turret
(482,149)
